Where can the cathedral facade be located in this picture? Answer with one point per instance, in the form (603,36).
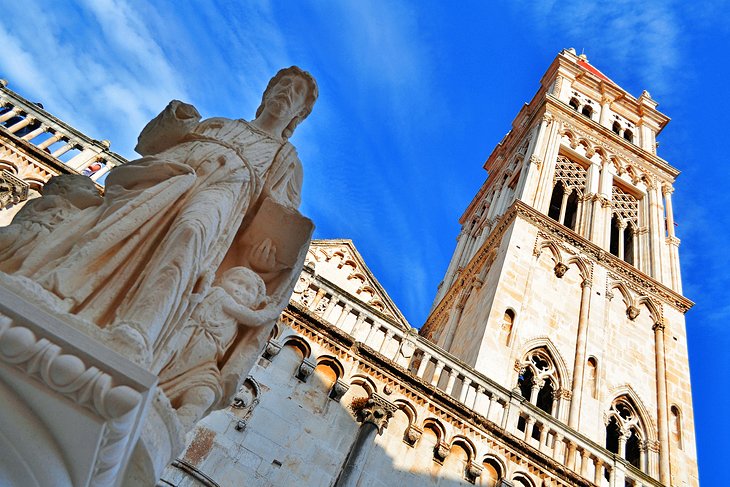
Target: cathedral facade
(555,353)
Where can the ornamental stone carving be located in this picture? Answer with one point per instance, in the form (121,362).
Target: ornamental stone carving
(632,312)
(560,269)
(272,349)
(412,434)
(306,368)
(376,410)
(339,389)
(441,451)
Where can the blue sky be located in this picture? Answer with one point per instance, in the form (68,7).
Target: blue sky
(413,97)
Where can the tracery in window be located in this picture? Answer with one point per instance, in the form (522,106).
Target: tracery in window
(624,432)
(538,380)
(569,184)
(624,225)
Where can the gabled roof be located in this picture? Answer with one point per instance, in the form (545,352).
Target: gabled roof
(339,262)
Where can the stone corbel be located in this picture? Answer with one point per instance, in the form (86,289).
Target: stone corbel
(272,349)
(632,312)
(535,159)
(560,269)
(339,389)
(412,435)
(305,369)
(441,451)
(473,471)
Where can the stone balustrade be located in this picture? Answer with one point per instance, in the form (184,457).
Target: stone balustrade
(506,409)
(28,122)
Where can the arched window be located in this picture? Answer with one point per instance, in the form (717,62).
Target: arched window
(616,128)
(593,377)
(628,135)
(538,380)
(507,323)
(569,183)
(676,426)
(624,224)
(624,432)
(574,103)
(587,111)
(492,473)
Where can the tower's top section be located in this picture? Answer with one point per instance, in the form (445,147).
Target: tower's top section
(573,80)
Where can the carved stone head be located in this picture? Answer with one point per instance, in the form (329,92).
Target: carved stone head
(244,286)
(291,93)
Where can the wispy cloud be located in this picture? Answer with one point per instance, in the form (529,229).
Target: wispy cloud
(641,39)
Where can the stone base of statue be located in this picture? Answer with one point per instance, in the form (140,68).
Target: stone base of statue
(72,409)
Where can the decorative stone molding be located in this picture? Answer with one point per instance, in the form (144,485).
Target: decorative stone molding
(378,411)
(339,388)
(13,190)
(306,368)
(412,435)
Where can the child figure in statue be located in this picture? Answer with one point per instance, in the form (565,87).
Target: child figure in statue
(204,374)
(62,197)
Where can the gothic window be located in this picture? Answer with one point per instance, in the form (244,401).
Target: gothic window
(628,135)
(569,184)
(587,111)
(538,380)
(624,433)
(574,103)
(624,225)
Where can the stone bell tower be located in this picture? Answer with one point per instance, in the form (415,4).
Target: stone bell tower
(565,283)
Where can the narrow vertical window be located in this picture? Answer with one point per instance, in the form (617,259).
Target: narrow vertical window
(587,111)
(676,426)
(556,201)
(593,377)
(628,135)
(574,103)
(616,128)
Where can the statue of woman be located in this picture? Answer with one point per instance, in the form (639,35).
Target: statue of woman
(170,219)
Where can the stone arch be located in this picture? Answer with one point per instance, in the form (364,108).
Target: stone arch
(553,248)
(625,293)
(408,409)
(646,423)
(466,444)
(498,462)
(582,266)
(299,343)
(8,166)
(558,360)
(522,479)
(333,363)
(365,382)
(655,310)
(436,426)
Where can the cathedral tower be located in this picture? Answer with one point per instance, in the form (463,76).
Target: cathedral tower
(565,283)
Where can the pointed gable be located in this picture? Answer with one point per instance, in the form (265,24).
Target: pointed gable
(339,262)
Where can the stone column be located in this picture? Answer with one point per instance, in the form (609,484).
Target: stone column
(580,355)
(374,417)
(661,392)
(672,240)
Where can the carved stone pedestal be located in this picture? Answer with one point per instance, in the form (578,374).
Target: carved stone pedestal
(71,408)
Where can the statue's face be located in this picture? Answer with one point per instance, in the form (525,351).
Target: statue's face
(286,98)
(246,289)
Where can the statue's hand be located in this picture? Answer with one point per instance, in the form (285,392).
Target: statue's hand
(263,257)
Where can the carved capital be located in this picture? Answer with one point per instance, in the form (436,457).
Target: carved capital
(586,283)
(339,389)
(378,411)
(535,159)
(560,269)
(412,435)
(13,190)
(667,189)
(305,369)
(632,312)
(547,117)
(658,327)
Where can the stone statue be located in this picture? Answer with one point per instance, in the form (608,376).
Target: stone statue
(172,218)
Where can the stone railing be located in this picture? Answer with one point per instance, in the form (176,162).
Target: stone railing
(507,409)
(29,122)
